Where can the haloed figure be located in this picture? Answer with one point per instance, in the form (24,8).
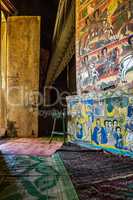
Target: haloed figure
(104,52)
(110,126)
(105,59)
(106,126)
(129,129)
(111,138)
(118,137)
(79,132)
(99,135)
(130,109)
(115,124)
(94,75)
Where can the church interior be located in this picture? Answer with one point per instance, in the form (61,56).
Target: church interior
(66,100)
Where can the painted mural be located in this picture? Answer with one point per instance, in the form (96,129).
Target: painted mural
(104,42)
(101,115)
(106,121)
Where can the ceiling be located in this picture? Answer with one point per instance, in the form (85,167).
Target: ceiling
(47,9)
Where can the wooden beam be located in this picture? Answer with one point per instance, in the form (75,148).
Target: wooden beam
(64,50)
(7,7)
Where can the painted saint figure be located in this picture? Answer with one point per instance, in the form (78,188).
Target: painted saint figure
(110,134)
(79,132)
(129,129)
(94,75)
(118,137)
(130,109)
(99,135)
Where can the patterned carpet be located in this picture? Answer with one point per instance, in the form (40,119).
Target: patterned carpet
(34,178)
(30,146)
(2,141)
(98,176)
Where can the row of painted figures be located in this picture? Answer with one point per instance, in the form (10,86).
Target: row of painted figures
(111,133)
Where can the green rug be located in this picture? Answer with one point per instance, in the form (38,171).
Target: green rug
(34,178)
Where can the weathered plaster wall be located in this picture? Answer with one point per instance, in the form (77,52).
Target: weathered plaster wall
(3,73)
(23,48)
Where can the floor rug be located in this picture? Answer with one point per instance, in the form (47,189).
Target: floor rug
(99,176)
(2,141)
(34,178)
(30,146)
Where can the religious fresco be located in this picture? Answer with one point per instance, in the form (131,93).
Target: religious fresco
(106,121)
(80,118)
(100,114)
(104,42)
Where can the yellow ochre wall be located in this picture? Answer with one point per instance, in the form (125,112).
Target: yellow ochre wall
(3,72)
(23,51)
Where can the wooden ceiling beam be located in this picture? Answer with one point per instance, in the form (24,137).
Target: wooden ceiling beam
(64,49)
(7,7)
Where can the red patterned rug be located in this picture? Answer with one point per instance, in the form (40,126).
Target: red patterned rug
(30,146)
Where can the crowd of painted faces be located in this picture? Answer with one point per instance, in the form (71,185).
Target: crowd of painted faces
(111,134)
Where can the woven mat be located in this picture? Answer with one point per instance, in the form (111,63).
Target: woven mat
(34,178)
(30,146)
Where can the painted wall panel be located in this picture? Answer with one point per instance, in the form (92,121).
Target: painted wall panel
(104,58)
(106,121)
(104,47)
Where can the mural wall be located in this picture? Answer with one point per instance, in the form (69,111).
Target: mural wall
(99,114)
(106,121)
(104,42)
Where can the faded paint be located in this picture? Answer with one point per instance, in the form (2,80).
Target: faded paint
(105,121)
(103,52)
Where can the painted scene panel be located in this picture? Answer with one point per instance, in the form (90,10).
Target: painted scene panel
(104,43)
(107,122)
